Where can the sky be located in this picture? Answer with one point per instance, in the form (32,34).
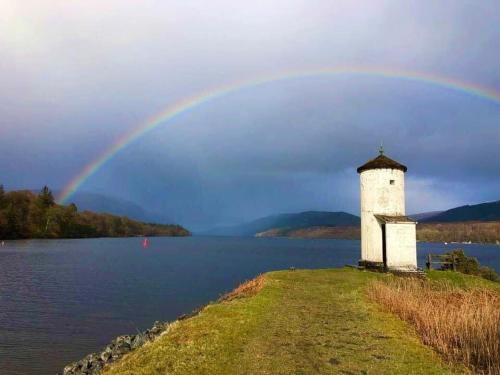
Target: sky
(75,76)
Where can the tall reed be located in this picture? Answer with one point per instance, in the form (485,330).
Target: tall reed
(463,325)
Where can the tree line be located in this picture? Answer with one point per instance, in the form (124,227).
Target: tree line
(476,232)
(24,214)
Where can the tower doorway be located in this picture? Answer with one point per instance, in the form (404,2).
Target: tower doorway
(384,246)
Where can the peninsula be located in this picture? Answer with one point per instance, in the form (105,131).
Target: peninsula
(330,321)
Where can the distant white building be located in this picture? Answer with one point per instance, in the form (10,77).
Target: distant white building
(388,236)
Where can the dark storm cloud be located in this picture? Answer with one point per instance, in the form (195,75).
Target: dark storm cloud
(262,159)
(75,76)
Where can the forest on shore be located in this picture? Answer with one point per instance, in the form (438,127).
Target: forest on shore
(475,232)
(471,231)
(24,214)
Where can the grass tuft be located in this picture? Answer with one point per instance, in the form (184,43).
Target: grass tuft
(246,289)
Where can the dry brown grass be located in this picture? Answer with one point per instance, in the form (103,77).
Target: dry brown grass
(463,325)
(246,289)
(477,232)
(351,233)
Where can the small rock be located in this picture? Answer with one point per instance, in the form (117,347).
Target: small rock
(137,341)
(106,355)
(70,369)
(157,328)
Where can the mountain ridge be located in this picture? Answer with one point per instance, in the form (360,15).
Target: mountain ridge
(342,224)
(288,221)
(101,203)
(488,211)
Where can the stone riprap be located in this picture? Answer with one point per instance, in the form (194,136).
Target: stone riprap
(95,362)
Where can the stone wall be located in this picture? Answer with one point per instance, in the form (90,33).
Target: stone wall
(401,246)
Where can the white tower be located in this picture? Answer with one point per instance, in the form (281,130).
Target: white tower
(388,237)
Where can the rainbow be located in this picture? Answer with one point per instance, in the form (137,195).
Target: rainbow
(192,102)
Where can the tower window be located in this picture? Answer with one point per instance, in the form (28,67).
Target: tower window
(391,182)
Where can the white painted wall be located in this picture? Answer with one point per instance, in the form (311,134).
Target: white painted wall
(378,196)
(401,245)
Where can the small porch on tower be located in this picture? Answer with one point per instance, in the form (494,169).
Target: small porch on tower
(399,245)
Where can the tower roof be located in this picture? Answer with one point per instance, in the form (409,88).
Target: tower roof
(395,219)
(382,162)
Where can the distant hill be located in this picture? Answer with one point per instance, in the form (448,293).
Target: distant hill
(479,212)
(425,215)
(340,232)
(116,206)
(477,223)
(289,222)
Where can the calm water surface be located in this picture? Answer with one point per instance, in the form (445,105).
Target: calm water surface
(62,299)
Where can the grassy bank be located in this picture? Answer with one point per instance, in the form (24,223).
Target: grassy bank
(300,322)
(461,320)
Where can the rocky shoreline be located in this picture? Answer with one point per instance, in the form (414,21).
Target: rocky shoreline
(94,363)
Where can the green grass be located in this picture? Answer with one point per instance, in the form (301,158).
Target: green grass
(461,280)
(301,322)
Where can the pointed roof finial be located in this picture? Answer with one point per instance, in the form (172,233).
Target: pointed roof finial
(382,162)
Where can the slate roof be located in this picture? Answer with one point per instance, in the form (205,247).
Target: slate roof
(382,162)
(395,219)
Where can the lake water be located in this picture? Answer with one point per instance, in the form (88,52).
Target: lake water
(63,299)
